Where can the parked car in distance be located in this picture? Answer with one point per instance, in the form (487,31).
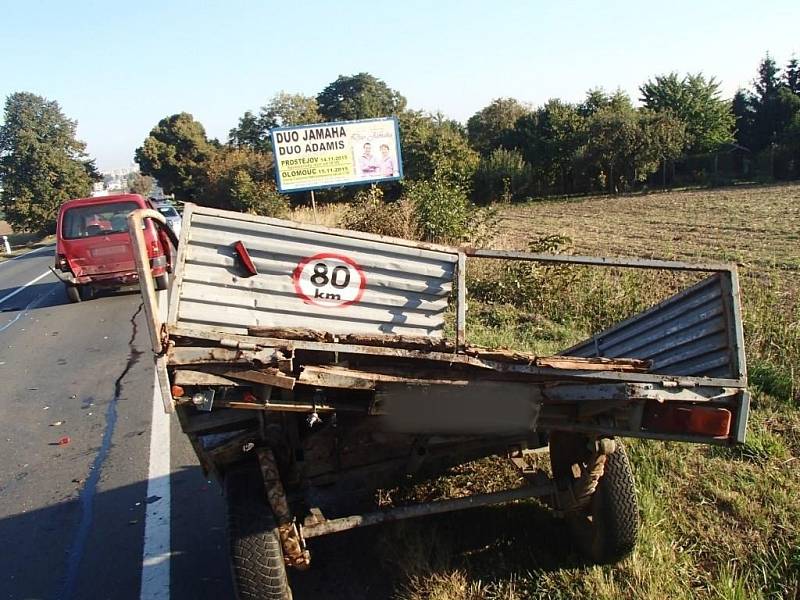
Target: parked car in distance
(169,212)
(93,248)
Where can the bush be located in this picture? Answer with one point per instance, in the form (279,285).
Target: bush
(503,175)
(257,197)
(436,211)
(442,209)
(371,214)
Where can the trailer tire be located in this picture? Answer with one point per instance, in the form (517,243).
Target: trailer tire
(259,572)
(605,531)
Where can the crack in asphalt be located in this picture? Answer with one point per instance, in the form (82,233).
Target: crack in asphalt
(89,490)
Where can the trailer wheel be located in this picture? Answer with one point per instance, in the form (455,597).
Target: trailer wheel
(73,293)
(606,530)
(259,572)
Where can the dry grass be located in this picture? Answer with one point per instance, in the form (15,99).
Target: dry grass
(328,215)
(717,523)
(756,226)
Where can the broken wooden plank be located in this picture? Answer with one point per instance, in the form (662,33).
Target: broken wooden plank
(406,342)
(192,377)
(289,333)
(267,376)
(627,365)
(527,371)
(189,355)
(632,365)
(341,377)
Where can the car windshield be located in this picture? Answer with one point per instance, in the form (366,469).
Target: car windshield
(167,211)
(96,219)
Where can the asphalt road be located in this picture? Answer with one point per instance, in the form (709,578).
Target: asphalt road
(76,517)
(72,515)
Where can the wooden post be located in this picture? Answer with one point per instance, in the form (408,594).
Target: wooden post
(135,222)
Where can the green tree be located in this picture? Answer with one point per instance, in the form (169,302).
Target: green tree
(768,80)
(551,139)
(664,139)
(249,133)
(697,102)
(504,174)
(743,108)
(431,144)
(221,172)
(774,106)
(360,96)
(257,197)
(42,163)
(281,111)
(141,184)
(598,98)
(627,146)
(791,76)
(488,127)
(175,153)
(442,208)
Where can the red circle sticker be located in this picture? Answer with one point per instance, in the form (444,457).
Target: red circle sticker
(328,279)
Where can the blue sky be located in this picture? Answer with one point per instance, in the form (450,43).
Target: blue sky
(120,67)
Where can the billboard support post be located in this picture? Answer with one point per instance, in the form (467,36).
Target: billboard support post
(314,206)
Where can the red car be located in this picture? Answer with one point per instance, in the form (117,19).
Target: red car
(93,249)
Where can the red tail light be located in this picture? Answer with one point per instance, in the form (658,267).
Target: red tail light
(155,249)
(672,417)
(61,262)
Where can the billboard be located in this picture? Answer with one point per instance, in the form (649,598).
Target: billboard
(323,155)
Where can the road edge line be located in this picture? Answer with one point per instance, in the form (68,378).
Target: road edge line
(19,289)
(157,549)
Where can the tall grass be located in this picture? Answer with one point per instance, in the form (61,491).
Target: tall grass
(718,523)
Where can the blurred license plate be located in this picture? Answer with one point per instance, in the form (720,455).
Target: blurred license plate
(109,250)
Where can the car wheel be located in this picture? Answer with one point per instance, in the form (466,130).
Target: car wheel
(605,530)
(259,571)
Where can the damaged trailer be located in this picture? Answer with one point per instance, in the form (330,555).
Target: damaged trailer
(310,366)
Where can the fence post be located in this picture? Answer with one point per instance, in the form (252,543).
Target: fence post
(6,245)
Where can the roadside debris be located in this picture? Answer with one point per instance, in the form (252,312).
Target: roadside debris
(64,440)
(56,423)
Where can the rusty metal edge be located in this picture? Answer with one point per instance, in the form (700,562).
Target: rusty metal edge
(461,359)
(602,261)
(204,210)
(429,508)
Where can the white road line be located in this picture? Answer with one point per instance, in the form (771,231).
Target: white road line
(34,251)
(18,290)
(157,543)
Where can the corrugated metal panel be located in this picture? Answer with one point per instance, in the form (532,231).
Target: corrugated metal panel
(405,287)
(690,334)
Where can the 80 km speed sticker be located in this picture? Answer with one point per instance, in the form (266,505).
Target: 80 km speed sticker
(330,280)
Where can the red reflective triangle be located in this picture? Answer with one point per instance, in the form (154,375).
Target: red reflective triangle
(244,256)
